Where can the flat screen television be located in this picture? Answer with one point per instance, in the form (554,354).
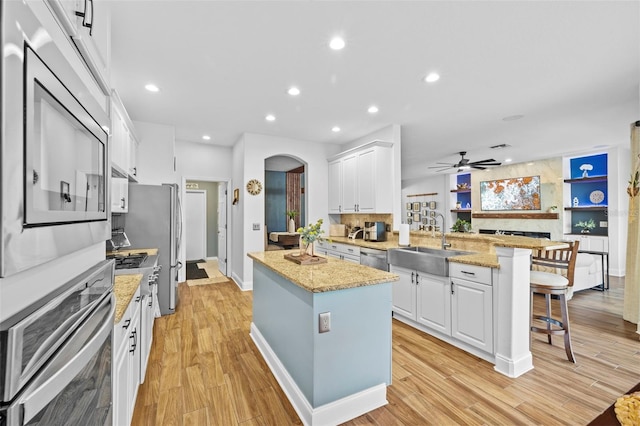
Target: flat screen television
(522,193)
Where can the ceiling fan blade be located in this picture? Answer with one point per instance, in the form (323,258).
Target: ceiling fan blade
(442,167)
(478,167)
(490,161)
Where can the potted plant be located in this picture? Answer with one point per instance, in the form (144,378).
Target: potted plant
(552,209)
(310,234)
(586,225)
(291,214)
(461,225)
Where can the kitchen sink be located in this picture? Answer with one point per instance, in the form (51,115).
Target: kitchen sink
(426,259)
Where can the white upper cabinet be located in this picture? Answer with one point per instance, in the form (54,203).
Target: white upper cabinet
(335,186)
(361,180)
(88,24)
(124,145)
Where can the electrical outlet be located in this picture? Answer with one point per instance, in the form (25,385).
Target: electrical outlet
(325,322)
(256,226)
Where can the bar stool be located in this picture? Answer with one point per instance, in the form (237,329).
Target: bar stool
(546,279)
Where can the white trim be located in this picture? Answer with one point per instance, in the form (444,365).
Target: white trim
(243,285)
(333,413)
(212,258)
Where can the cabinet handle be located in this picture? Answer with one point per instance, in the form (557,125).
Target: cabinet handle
(469,273)
(126,324)
(122,202)
(452,292)
(83,15)
(135,171)
(134,336)
(137,299)
(417,277)
(412,277)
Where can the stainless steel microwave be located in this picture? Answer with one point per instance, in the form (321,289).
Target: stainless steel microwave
(54,146)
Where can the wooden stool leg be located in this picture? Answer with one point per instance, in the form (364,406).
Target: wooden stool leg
(565,324)
(547,298)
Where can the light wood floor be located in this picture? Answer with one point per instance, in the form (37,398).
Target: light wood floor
(205,370)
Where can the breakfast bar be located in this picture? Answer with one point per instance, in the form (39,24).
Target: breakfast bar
(334,376)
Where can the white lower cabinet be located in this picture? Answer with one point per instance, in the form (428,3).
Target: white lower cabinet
(119,195)
(459,306)
(126,367)
(346,252)
(147,317)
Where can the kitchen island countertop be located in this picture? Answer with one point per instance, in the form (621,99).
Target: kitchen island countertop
(333,275)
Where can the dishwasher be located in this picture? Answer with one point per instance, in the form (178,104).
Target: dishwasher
(374,258)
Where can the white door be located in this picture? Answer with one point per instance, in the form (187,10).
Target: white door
(195,224)
(222,228)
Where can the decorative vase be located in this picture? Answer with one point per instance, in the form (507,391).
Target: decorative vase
(292,225)
(584,231)
(458,205)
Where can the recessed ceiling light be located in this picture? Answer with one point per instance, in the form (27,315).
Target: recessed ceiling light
(293,91)
(270,117)
(507,160)
(206,137)
(335,129)
(432,77)
(152,88)
(337,43)
(372,109)
(513,117)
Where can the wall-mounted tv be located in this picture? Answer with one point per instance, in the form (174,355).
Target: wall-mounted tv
(521,193)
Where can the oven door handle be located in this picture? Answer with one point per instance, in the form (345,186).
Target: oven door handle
(34,401)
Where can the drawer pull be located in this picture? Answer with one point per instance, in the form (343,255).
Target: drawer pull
(126,324)
(469,273)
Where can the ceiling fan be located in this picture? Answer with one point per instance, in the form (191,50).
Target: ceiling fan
(465,164)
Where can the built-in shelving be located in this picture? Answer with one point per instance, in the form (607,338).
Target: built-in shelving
(586,194)
(461,191)
(428,194)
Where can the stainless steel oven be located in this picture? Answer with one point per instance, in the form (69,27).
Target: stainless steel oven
(56,355)
(54,153)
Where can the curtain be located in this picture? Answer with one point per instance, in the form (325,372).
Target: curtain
(631,310)
(293,195)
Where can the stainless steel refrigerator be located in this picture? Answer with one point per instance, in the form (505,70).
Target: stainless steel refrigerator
(154,220)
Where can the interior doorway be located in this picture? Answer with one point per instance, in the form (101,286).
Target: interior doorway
(285,193)
(216,217)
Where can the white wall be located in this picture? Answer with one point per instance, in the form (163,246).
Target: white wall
(436,183)
(156,153)
(619,170)
(249,154)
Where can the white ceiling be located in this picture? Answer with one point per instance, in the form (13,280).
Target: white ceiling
(571,68)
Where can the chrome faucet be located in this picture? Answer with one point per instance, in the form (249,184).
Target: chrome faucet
(445,244)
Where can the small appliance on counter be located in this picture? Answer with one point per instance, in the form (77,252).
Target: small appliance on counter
(356,232)
(118,240)
(375,231)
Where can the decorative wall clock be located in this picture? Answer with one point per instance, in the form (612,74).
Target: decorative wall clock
(254,187)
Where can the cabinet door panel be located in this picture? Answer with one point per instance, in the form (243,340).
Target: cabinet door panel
(404,292)
(349,184)
(434,302)
(335,187)
(472,314)
(366,182)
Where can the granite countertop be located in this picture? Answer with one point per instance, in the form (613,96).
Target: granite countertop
(124,288)
(334,275)
(479,258)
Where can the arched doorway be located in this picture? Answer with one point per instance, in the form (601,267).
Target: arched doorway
(285,192)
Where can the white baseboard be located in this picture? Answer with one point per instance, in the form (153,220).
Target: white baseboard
(243,285)
(212,258)
(333,413)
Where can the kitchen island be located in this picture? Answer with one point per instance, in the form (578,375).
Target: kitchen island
(334,376)
(491,321)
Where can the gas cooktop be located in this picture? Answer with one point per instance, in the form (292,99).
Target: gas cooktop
(128,261)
